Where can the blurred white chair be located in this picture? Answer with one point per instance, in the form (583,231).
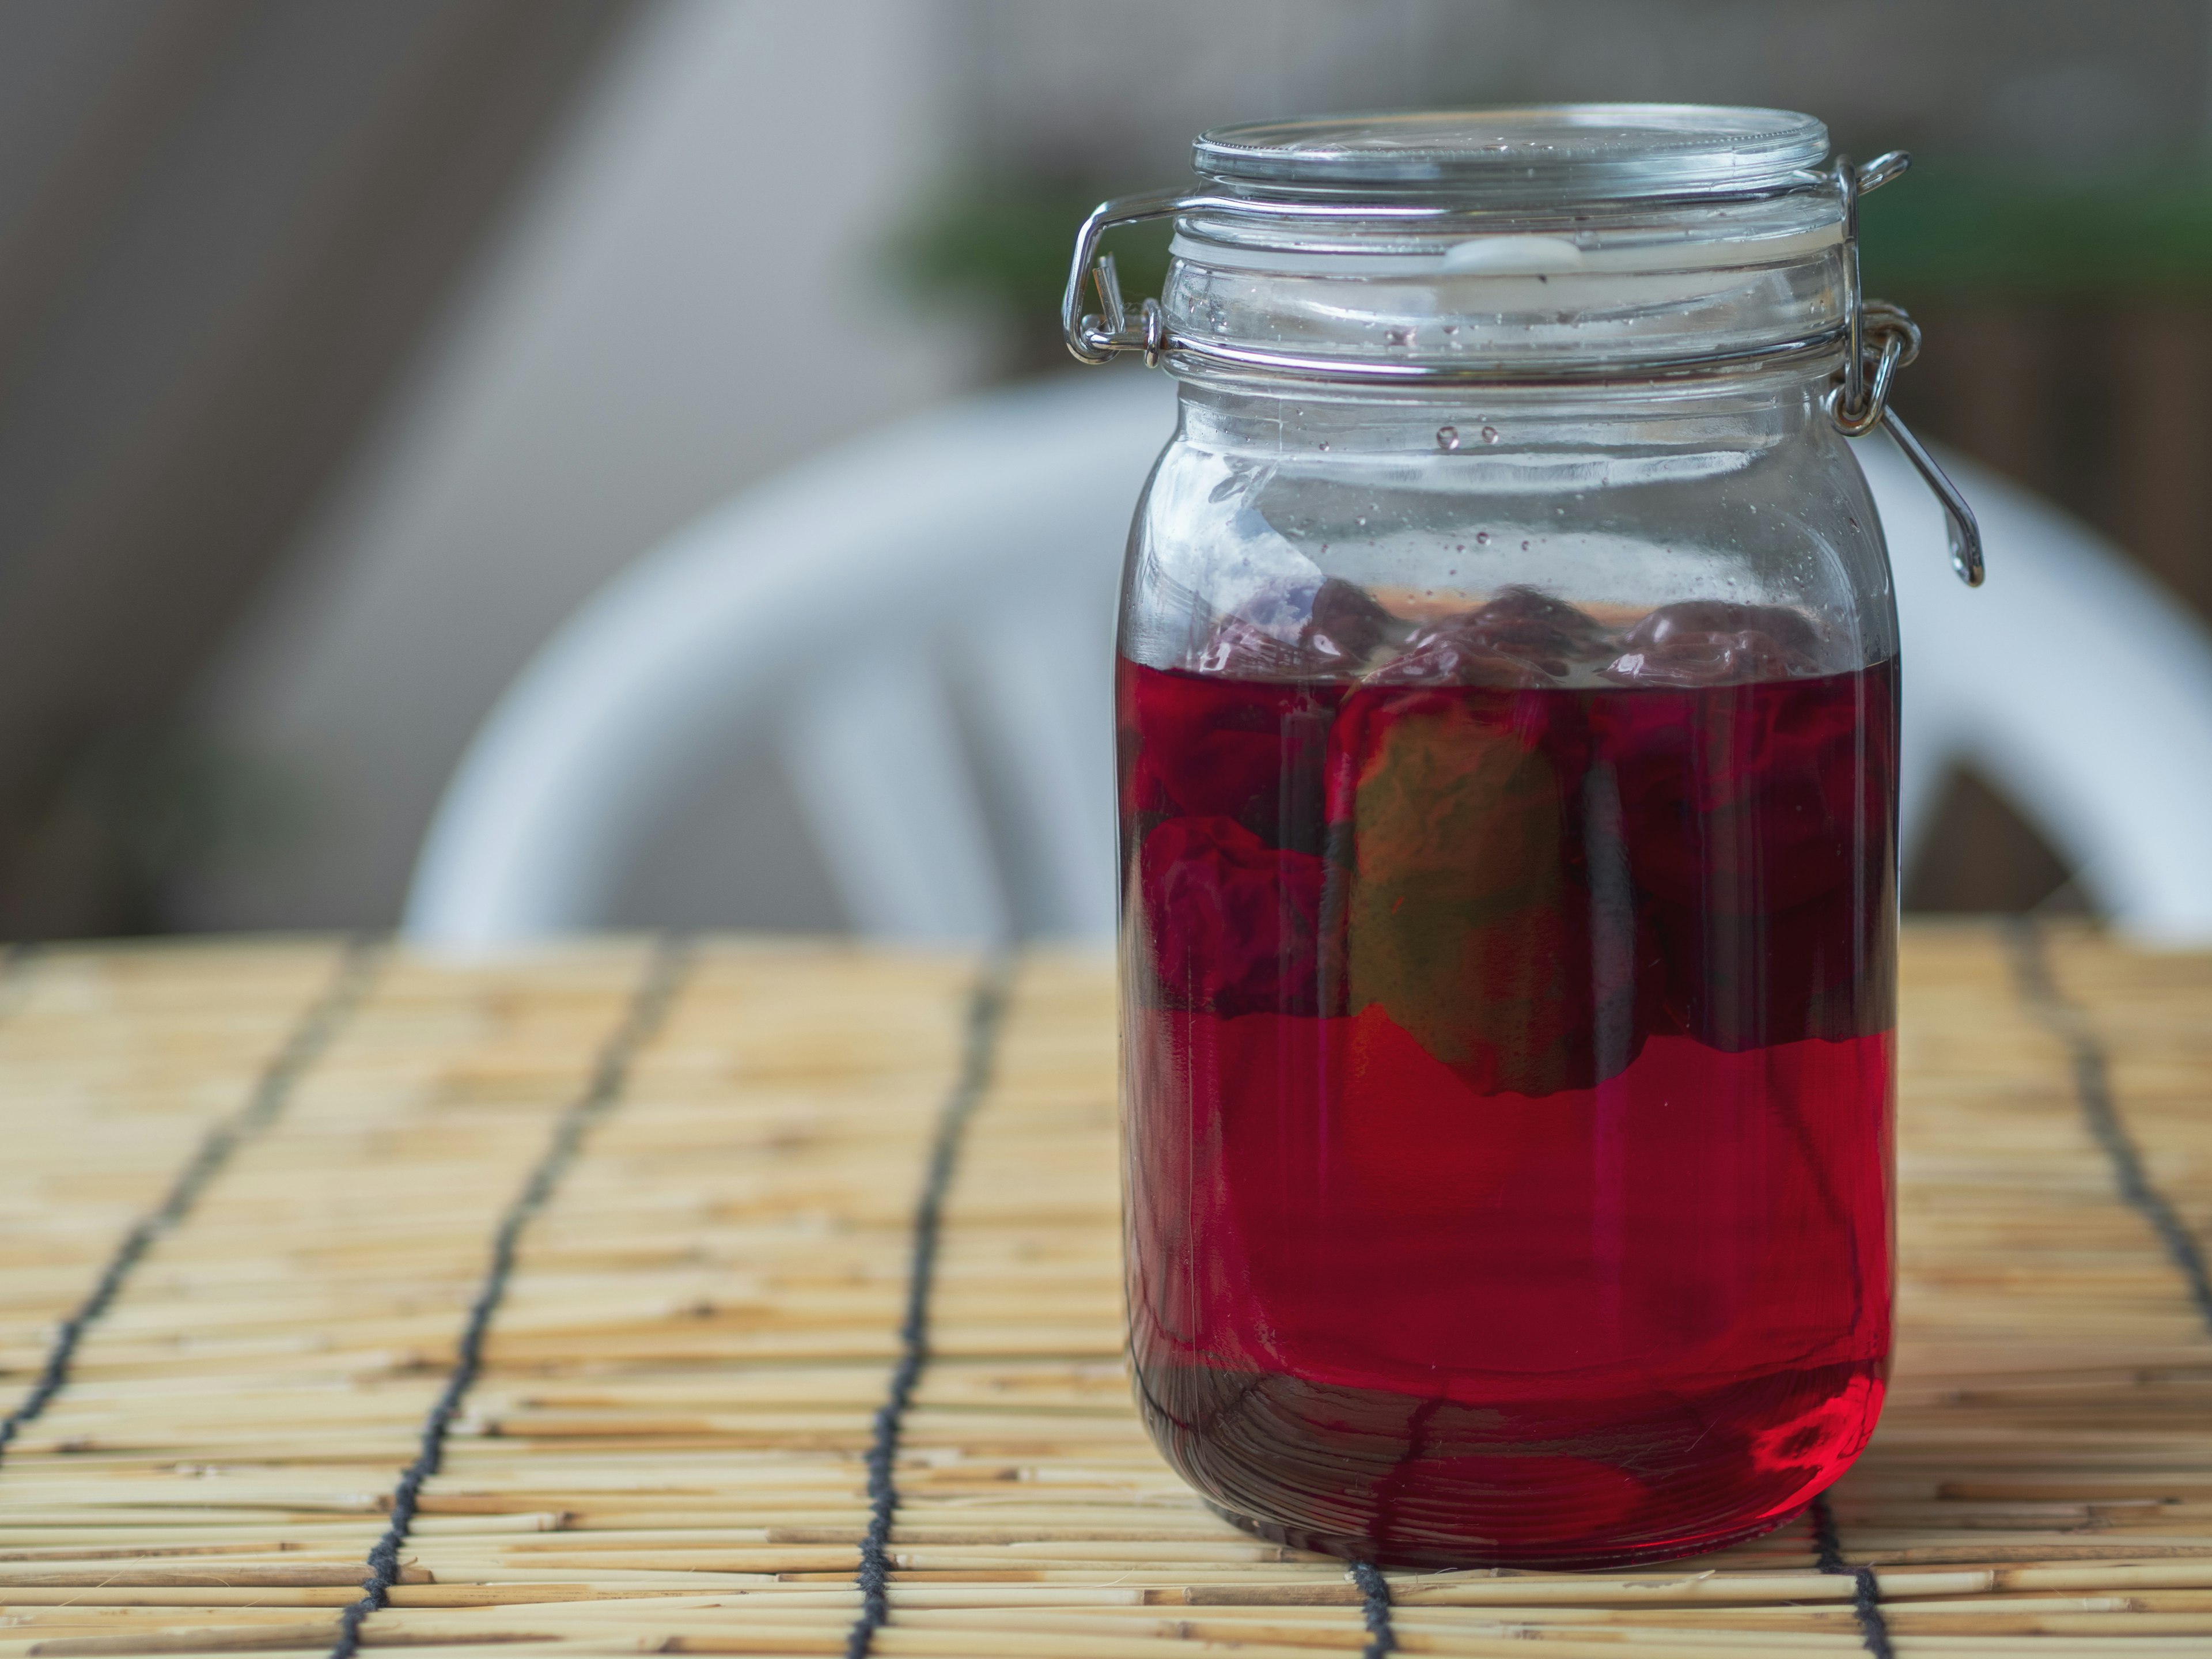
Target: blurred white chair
(924,615)
(931,595)
(2070,682)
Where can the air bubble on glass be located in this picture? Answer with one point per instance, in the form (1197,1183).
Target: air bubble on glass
(1490,434)
(1448,438)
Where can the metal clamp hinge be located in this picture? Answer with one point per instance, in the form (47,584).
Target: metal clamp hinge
(1112,333)
(1095,339)
(1879,339)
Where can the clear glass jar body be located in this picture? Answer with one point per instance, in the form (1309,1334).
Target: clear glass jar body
(1508,804)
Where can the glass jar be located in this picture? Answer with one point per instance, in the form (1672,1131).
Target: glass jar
(1507,705)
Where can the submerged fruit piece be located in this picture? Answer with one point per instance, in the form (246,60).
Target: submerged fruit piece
(1460,914)
(1520,638)
(1714,642)
(1234,921)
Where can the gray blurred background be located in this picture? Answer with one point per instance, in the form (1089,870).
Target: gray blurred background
(346,347)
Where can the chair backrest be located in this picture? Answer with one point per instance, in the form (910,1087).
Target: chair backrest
(2072,683)
(923,615)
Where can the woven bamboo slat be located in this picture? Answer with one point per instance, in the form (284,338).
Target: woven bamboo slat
(665,1446)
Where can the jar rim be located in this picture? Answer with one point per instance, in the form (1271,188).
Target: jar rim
(1556,154)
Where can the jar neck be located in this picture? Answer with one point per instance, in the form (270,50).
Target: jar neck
(1324,419)
(1625,290)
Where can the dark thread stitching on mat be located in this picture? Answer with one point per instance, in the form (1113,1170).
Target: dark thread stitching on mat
(1375,1610)
(309,1035)
(1866,1588)
(2092,1083)
(610,1078)
(985,1007)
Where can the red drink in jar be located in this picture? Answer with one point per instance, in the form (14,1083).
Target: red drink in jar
(1509,1044)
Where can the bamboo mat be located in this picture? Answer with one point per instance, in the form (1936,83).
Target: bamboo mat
(629,1230)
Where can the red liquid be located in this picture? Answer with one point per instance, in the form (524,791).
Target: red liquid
(1509,1079)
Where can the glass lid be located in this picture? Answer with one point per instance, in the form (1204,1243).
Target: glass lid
(1553,153)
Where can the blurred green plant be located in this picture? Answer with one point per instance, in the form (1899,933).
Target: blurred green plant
(1962,230)
(164,802)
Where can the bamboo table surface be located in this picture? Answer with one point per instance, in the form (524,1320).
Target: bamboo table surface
(603,1302)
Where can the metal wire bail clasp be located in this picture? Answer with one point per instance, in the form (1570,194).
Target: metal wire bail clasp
(1889,341)
(1095,339)
(1881,339)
